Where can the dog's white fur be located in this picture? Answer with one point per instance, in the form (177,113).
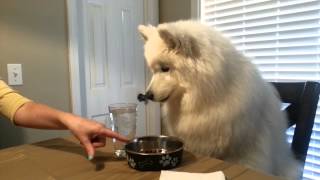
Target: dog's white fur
(214,99)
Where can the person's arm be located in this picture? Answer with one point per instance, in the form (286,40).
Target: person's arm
(23,112)
(91,134)
(34,115)
(10,101)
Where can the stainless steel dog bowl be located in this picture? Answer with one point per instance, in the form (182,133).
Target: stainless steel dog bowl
(152,153)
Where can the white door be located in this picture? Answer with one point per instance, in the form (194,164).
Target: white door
(114,68)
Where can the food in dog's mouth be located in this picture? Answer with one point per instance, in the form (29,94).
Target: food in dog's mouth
(143,97)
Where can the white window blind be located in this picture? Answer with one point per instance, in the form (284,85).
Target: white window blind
(282,37)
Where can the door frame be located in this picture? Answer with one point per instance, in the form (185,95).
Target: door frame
(195,9)
(151,16)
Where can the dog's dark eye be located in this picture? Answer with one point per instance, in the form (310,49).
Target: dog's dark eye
(165,68)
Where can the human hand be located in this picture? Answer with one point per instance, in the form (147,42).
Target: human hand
(91,134)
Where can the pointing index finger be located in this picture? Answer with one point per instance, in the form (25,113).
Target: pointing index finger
(112,134)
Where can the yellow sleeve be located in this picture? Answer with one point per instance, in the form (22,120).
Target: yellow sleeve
(10,101)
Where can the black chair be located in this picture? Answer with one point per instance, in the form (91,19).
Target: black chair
(303,98)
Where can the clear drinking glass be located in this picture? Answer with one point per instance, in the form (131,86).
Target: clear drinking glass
(122,118)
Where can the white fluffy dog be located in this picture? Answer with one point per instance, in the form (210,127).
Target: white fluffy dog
(214,99)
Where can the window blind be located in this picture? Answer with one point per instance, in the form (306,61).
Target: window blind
(282,37)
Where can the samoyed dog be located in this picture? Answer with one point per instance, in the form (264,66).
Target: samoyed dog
(214,99)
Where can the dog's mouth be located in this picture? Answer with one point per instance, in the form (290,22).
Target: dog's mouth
(164,99)
(171,94)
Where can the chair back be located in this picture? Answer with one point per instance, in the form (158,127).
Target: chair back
(303,98)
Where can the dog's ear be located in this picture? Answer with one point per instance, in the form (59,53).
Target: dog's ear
(172,42)
(184,45)
(145,31)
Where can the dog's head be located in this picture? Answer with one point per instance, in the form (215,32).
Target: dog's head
(188,57)
(168,53)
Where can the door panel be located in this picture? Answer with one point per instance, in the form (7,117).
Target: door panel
(113,60)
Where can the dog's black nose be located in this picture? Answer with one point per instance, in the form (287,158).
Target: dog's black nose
(141,97)
(149,95)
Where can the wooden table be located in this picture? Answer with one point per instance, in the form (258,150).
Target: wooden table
(64,158)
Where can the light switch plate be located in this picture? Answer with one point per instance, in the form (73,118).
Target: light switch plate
(14,74)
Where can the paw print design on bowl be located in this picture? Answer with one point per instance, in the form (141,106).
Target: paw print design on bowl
(165,160)
(174,161)
(131,162)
